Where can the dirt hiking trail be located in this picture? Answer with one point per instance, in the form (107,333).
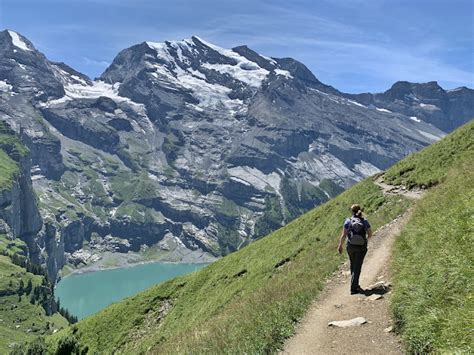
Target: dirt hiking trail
(315,336)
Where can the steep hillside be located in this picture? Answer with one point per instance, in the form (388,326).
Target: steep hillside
(433,298)
(430,166)
(250,300)
(187,146)
(27,307)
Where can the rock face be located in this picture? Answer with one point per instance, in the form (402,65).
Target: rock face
(19,215)
(211,147)
(18,203)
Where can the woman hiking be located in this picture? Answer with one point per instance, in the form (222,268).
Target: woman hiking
(357,231)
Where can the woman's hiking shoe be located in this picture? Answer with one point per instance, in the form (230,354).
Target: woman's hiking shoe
(357,290)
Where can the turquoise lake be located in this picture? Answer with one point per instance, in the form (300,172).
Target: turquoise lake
(86,293)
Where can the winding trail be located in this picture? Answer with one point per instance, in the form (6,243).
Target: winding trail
(314,336)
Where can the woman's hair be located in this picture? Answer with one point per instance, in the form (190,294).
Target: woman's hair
(356,210)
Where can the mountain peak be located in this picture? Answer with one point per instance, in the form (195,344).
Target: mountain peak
(26,69)
(460,89)
(407,85)
(17,40)
(193,64)
(402,89)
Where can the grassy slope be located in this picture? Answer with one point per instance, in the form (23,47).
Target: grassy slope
(430,166)
(10,146)
(8,170)
(433,299)
(20,320)
(243,302)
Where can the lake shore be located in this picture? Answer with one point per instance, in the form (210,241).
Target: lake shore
(89,292)
(115,260)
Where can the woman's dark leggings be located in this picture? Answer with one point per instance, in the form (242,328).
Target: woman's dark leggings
(356,256)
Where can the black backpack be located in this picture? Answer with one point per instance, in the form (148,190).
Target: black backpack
(357,231)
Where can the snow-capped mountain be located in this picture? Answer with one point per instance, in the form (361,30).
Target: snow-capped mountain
(193,147)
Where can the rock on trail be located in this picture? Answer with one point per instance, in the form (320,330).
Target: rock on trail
(355,322)
(318,333)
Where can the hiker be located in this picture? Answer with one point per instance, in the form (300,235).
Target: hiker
(357,231)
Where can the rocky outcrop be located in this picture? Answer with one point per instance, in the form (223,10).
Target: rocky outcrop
(73,124)
(54,247)
(18,203)
(45,153)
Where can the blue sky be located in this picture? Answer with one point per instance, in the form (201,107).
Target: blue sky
(354,45)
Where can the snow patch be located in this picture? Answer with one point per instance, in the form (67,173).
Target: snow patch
(212,96)
(67,78)
(246,72)
(97,89)
(356,103)
(412,96)
(18,42)
(82,81)
(383,110)
(414,118)
(197,73)
(4,86)
(173,77)
(162,51)
(284,73)
(457,89)
(271,60)
(429,107)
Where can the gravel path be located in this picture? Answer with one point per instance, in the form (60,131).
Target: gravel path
(314,336)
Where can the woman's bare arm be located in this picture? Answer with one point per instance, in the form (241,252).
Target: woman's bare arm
(341,240)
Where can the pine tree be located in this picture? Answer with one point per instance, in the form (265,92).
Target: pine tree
(21,287)
(29,287)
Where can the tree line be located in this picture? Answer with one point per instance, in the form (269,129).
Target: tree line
(42,294)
